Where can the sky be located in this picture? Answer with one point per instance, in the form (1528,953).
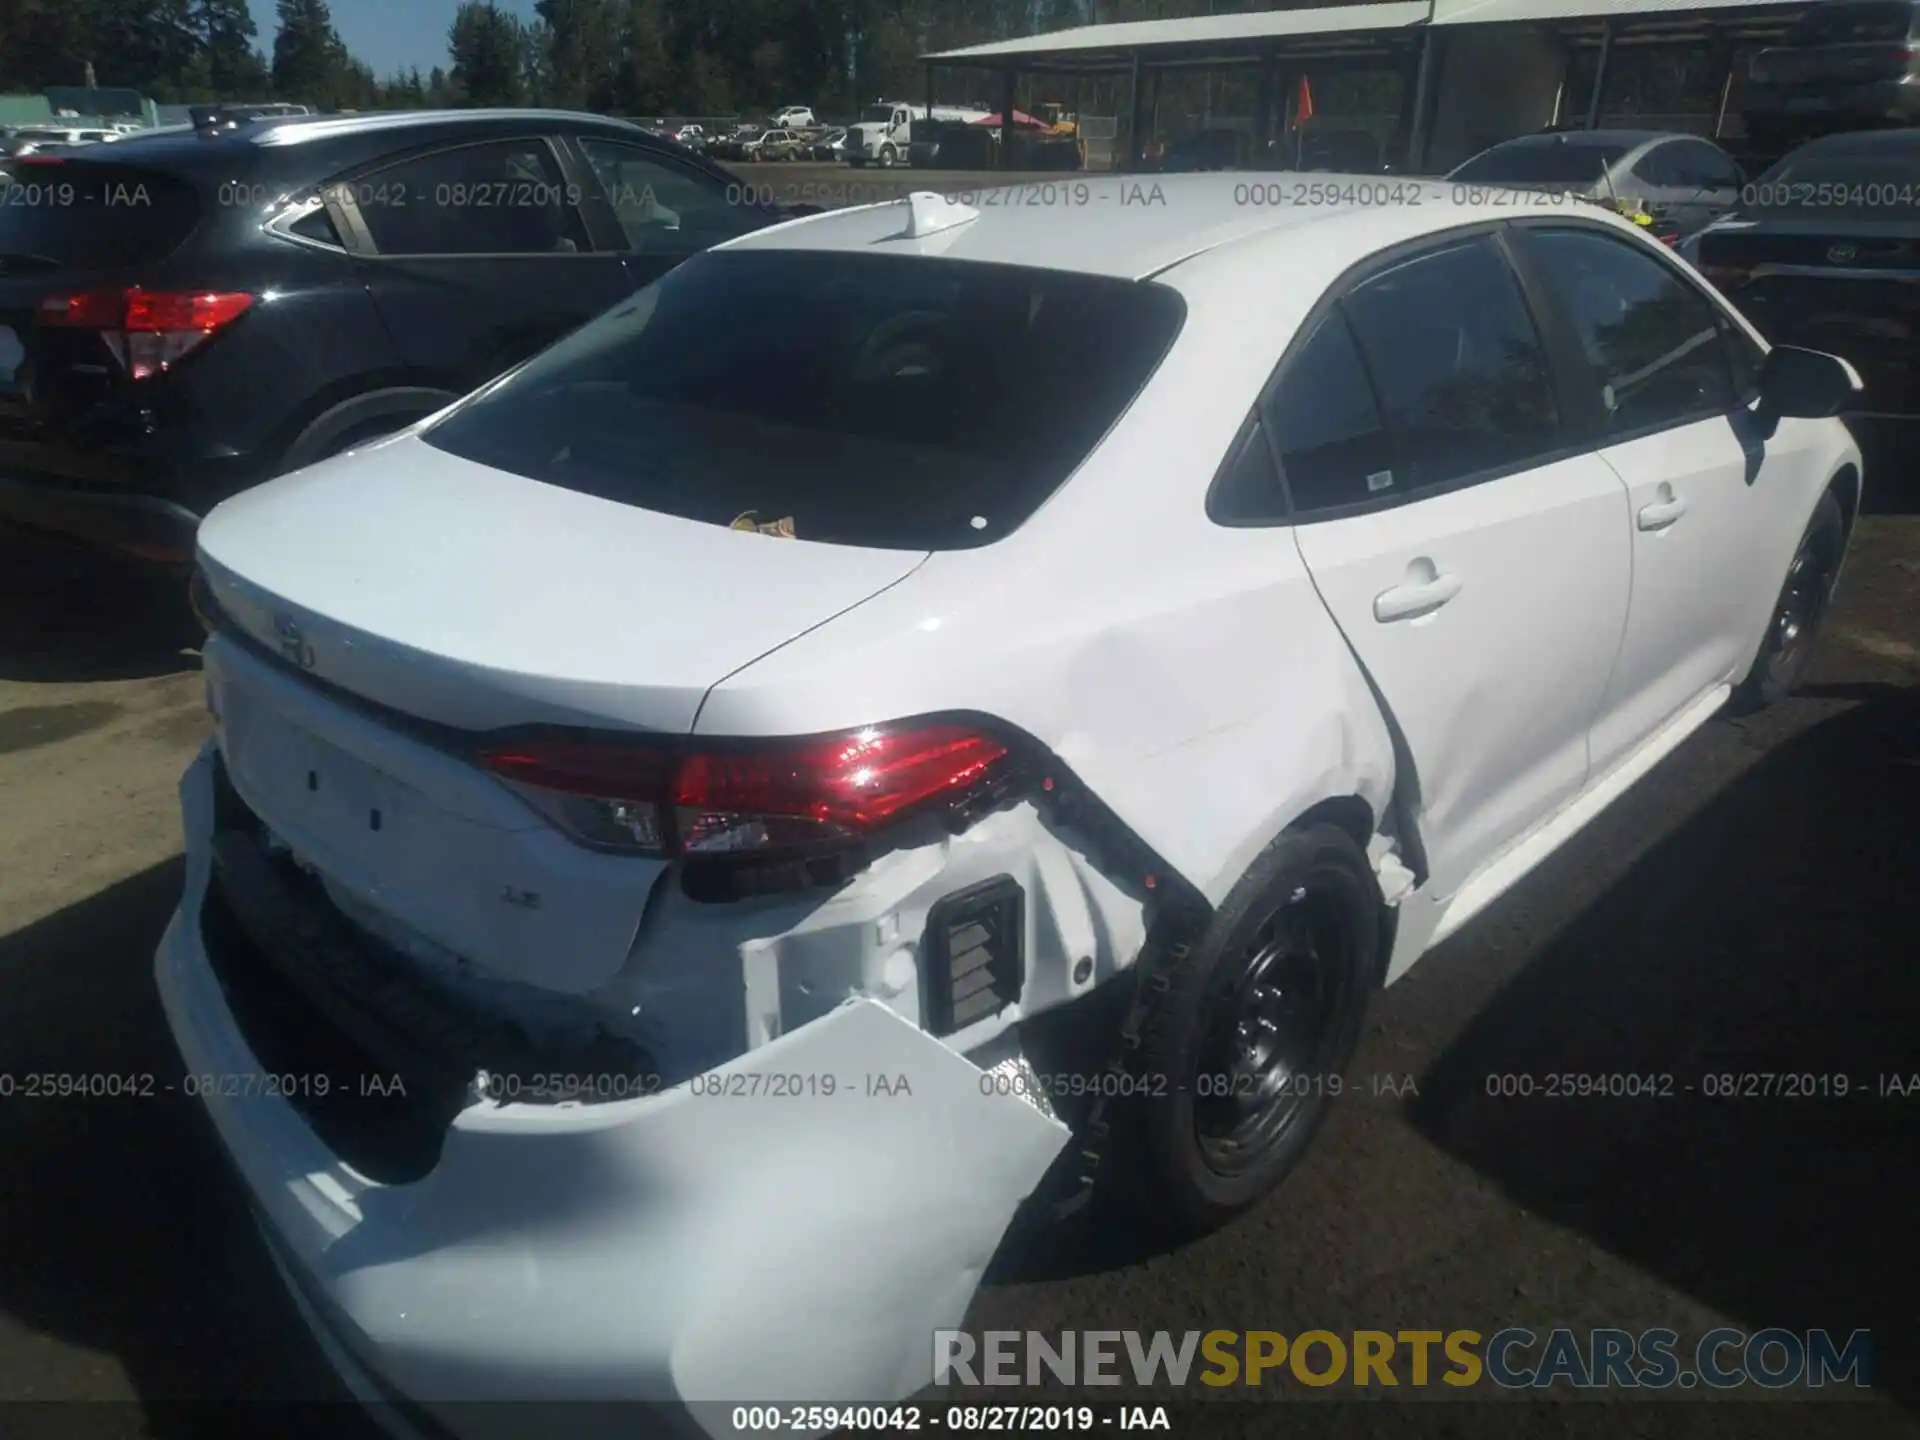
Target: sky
(389,35)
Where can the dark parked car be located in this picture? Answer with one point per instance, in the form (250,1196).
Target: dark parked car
(1824,252)
(185,315)
(1846,65)
(1683,181)
(826,146)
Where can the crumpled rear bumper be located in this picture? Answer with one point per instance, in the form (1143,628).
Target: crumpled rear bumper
(714,1244)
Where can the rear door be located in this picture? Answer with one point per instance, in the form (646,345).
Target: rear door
(478,255)
(663,209)
(1471,551)
(1714,510)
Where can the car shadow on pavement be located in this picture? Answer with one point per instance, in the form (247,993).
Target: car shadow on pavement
(122,1232)
(1763,957)
(68,614)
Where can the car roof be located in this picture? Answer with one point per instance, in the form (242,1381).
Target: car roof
(1579,139)
(342,141)
(1862,142)
(1134,227)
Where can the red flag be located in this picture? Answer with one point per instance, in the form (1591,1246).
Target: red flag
(1303,111)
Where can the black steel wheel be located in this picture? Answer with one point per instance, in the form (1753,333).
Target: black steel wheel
(1805,596)
(1248,1048)
(1270,1029)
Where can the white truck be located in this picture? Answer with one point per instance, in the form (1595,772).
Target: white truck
(881,135)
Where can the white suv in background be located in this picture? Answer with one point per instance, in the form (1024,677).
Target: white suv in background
(701,853)
(794,117)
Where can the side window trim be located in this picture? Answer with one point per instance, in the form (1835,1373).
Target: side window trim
(280,226)
(342,187)
(1552,335)
(1728,328)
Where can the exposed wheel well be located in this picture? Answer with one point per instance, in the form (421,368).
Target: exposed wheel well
(1846,485)
(1349,812)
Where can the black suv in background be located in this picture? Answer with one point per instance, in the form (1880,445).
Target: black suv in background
(1845,65)
(186,314)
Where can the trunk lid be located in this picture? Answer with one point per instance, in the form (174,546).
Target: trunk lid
(476,599)
(462,596)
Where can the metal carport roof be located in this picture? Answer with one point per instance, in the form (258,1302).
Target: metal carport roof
(1191,38)
(1198,38)
(1507,12)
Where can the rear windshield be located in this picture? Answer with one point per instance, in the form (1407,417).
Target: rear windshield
(887,401)
(1540,163)
(1854,186)
(76,215)
(1840,24)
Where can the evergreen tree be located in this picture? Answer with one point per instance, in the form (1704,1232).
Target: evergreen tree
(487,47)
(307,52)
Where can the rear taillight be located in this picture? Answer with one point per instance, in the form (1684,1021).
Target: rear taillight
(147,330)
(747,798)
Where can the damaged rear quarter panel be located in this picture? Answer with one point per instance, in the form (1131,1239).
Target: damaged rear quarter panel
(1188,673)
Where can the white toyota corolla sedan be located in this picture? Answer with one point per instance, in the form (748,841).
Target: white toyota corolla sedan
(929,712)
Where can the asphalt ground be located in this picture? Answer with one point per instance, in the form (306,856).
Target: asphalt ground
(1751,907)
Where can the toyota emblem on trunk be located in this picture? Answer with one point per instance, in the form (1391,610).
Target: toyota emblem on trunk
(1841,254)
(293,645)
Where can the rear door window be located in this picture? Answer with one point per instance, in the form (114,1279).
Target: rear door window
(1333,446)
(81,215)
(502,197)
(1708,166)
(1543,161)
(1462,380)
(878,400)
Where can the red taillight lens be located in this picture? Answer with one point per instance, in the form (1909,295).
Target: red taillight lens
(147,330)
(94,310)
(161,312)
(755,797)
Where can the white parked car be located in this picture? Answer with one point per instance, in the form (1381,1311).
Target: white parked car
(692,856)
(793,117)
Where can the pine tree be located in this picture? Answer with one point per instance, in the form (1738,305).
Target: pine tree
(307,52)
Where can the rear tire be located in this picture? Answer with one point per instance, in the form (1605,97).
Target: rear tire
(1246,1051)
(1794,627)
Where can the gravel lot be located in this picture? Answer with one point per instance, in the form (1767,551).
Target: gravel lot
(1750,907)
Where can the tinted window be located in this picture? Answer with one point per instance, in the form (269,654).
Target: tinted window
(1462,381)
(317,226)
(502,198)
(1841,23)
(868,397)
(1542,160)
(1656,344)
(662,206)
(1818,183)
(1247,489)
(1662,166)
(1333,448)
(92,216)
(1707,167)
